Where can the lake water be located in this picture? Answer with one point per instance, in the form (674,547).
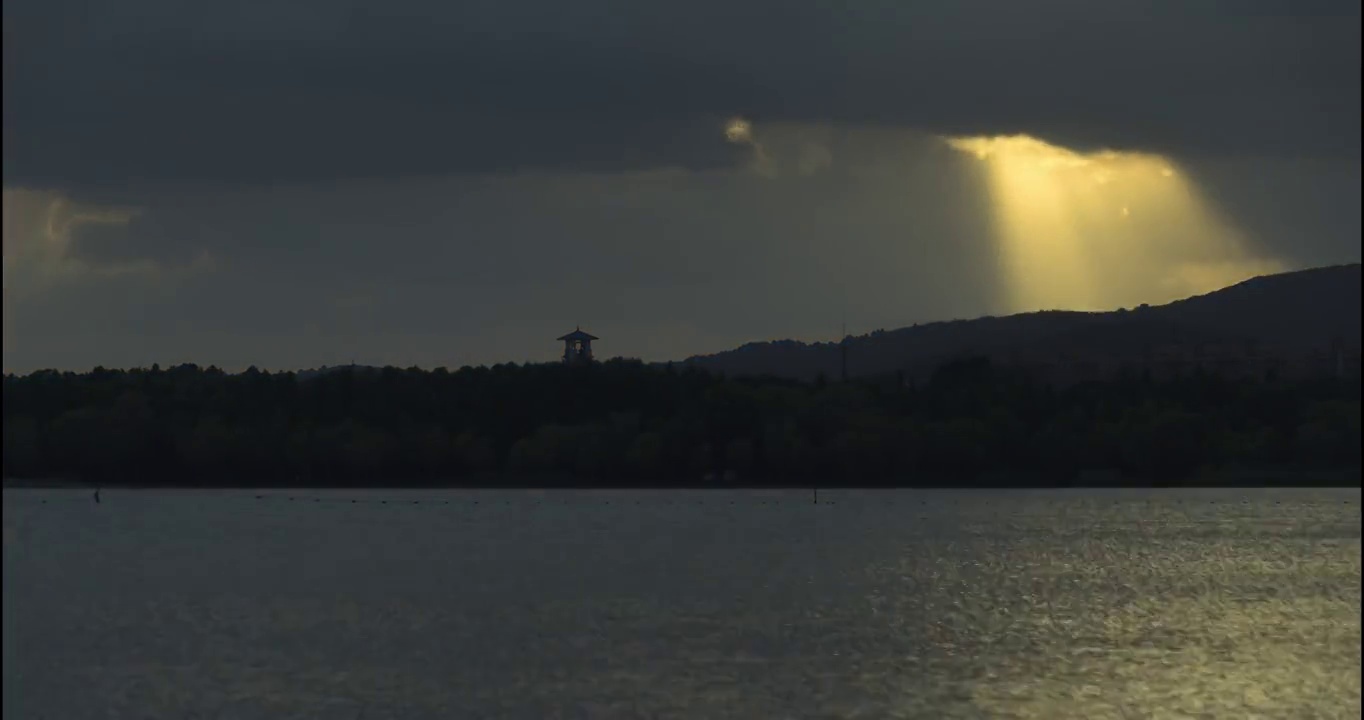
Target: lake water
(891,604)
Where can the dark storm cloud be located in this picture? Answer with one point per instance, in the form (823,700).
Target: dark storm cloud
(446,271)
(97,94)
(290,184)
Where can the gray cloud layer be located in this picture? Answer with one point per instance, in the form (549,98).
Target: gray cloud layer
(662,264)
(412,181)
(267,91)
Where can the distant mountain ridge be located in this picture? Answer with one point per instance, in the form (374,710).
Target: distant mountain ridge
(1287,314)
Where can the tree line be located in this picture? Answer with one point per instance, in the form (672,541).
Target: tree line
(623,422)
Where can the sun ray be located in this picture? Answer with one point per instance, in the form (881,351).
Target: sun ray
(1092,231)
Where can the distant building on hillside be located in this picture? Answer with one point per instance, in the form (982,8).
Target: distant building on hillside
(577,347)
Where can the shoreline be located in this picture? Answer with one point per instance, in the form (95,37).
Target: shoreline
(1267,480)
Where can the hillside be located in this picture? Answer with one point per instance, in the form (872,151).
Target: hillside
(1287,314)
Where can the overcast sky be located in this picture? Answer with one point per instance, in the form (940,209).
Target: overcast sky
(291,184)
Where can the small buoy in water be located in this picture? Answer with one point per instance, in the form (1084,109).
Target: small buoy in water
(96,496)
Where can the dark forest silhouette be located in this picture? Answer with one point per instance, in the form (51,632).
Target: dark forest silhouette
(1294,320)
(626,423)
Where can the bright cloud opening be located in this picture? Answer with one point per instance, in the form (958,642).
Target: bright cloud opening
(739,131)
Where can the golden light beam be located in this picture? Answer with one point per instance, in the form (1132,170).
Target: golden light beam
(1097,231)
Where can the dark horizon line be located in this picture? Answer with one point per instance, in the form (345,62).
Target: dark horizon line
(691,358)
(1346,477)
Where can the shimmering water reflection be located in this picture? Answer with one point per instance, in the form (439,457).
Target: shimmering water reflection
(1059,604)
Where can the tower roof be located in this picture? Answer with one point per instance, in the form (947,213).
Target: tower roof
(578,334)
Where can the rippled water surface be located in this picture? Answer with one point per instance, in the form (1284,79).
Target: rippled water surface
(905,604)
